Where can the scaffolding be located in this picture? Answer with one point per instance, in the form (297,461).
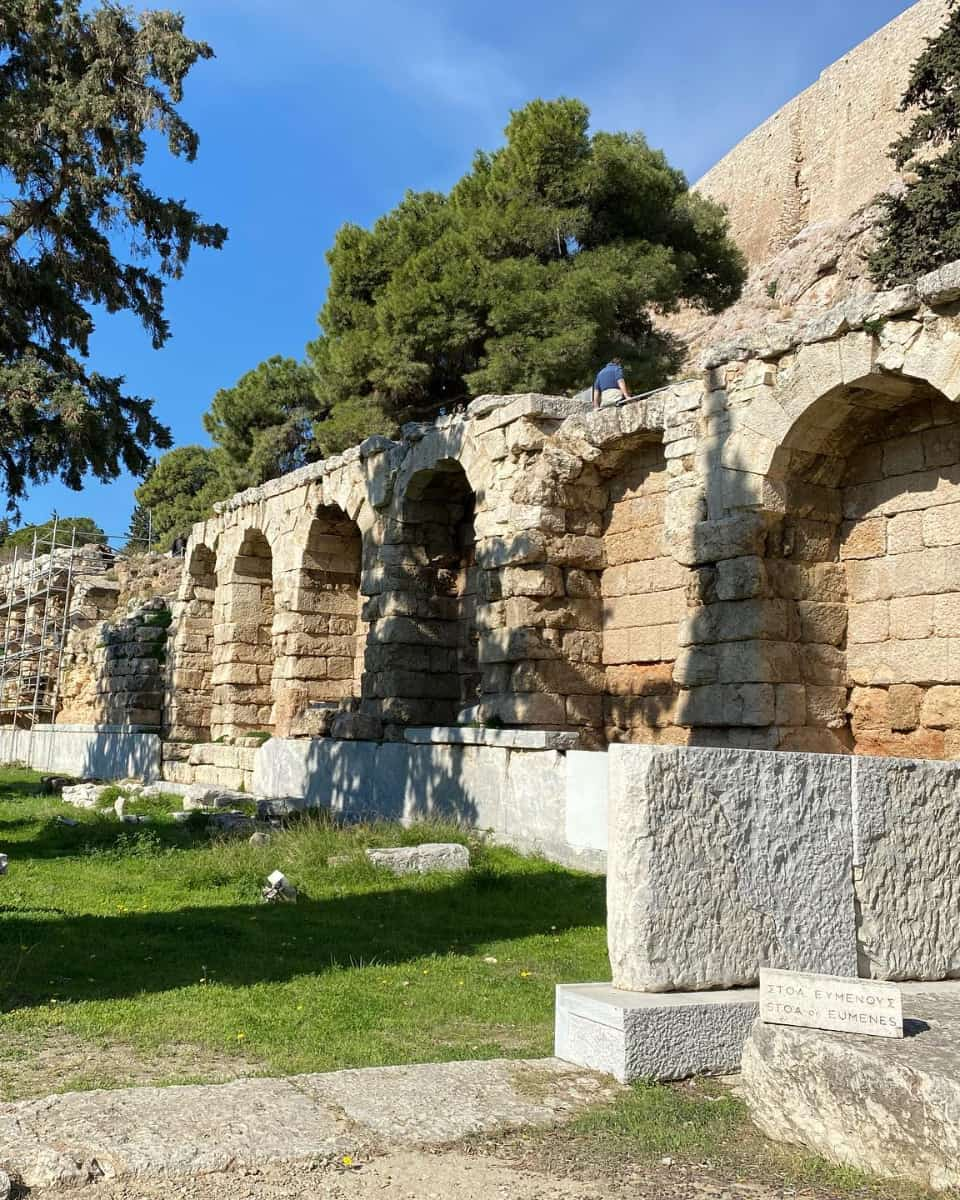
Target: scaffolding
(35,615)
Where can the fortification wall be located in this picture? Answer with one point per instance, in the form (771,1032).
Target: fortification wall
(823,156)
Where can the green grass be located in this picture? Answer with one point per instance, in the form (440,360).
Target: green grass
(701,1124)
(155,936)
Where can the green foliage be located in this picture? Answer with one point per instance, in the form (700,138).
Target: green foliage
(264,423)
(551,255)
(161,928)
(140,532)
(920,226)
(81,90)
(88,533)
(180,489)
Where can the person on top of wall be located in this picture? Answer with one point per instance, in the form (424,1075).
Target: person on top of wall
(610,384)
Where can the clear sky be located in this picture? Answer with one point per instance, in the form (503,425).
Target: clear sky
(316,112)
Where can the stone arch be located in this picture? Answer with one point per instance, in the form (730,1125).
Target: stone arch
(189,716)
(422,649)
(244,656)
(319,633)
(834,629)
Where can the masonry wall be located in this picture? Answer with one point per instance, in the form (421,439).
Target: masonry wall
(901,551)
(823,156)
(644,599)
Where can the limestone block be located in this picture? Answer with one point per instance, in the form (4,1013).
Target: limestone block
(869,622)
(587,796)
(530,708)
(907,840)
(826,706)
(424,859)
(711,541)
(864,539)
(632,1035)
(940,708)
(930,660)
(904,707)
(821,582)
(946,615)
(721,861)
(791,704)
(741,578)
(822,623)
(561,678)
(883,1106)
(531,581)
(758,662)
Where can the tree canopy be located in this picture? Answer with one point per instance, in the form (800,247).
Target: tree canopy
(81,91)
(920,225)
(179,490)
(550,255)
(88,533)
(264,424)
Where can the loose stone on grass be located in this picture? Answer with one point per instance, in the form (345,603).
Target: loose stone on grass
(422,860)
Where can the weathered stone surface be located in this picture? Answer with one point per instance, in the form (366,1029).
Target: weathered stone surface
(84,751)
(721,861)
(73,1139)
(906,846)
(83,795)
(519,796)
(634,1035)
(423,859)
(887,1107)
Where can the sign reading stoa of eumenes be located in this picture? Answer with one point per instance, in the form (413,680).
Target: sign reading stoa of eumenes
(831,1002)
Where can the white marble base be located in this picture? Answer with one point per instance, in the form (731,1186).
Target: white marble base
(637,1035)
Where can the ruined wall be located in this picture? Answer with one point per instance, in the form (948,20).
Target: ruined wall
(760,558)
(113,668)
(823,156)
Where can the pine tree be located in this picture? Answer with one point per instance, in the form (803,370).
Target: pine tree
(920,228)
(551,254)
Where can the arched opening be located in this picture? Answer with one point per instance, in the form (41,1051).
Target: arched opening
(644,597)
(190,712)
(422,661)
(868,559)
(243,643)
(319,636)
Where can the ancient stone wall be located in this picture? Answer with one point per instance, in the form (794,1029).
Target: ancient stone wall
(758,558)
(823,156)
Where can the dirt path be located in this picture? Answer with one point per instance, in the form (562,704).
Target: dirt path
(434,1175)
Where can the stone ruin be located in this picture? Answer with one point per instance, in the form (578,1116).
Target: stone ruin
(762,557)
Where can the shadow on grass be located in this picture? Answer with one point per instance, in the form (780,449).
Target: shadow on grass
(112,957)
(103,831)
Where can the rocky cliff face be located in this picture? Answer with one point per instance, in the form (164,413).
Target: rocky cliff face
(818,268)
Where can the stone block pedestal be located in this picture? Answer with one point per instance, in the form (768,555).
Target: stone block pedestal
(637,1035)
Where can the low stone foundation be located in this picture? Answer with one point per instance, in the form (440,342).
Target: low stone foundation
(230,766)
(84,751)
(541,799)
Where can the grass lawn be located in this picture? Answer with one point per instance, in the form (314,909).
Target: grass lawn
(145,954)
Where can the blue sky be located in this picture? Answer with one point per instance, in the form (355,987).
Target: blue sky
(316,112)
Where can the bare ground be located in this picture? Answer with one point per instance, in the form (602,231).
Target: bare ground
(35,1064)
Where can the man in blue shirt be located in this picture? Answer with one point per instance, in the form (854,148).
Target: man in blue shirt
(610,383)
